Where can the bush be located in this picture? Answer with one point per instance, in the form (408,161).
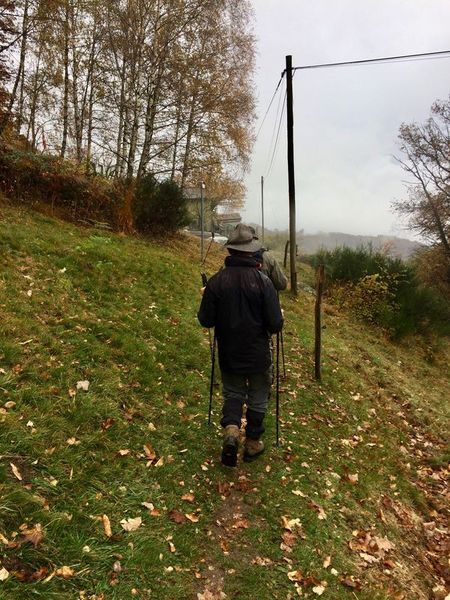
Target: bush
(346,264)
(44,179)
(384,291)
(159,206)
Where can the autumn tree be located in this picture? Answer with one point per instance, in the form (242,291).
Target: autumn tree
(132,87)
(426,150)
(7,40)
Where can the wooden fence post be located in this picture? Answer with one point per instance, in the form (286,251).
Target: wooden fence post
(286,248)
(320,279)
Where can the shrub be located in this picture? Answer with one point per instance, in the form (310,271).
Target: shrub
(384,291)
(159,206)
(346,264)
(44,179)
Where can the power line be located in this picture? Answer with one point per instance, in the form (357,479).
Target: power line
(274,130)
(270,104)
(384,59)
(278,135)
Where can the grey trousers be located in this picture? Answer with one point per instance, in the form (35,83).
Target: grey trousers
(252,390)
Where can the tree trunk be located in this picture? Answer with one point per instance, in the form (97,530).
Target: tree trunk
(120,133)
(66,82)
(78,127)
(19,77)
(34,96)
(189,133)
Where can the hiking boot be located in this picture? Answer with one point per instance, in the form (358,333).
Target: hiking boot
(253,449)
(230,445)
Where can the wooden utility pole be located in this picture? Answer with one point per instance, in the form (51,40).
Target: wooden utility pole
(291,176)
(320,278)
(262,210)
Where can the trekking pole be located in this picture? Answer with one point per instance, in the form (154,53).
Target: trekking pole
(211,383)
(278,390)
(282,345)
(204,282)
(282,353)
(212,350)
(206,254)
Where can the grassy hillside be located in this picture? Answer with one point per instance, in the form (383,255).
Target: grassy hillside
(352,505)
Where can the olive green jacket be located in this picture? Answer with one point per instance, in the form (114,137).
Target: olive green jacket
(273,270)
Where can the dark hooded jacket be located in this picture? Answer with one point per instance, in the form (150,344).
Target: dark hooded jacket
(242,304)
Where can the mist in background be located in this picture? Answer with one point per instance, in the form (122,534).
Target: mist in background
(346,119)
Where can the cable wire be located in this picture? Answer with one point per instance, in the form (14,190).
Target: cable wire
(270,104)
(440,54)
(277,138)
(274,130)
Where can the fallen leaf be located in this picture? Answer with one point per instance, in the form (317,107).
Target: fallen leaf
(131,524)
(33,535)
(321,514)
(150,454)
(296,576)
(117,567)
(240,524)
(327,562)
(124,452)
(319,589)
(353,479)
(368,558)
(107,526)
(16,471)
(177,517)
(4,574)
(39,575)
(83,385)
(223,487)
(262,561)
(207,595)
(350,581)
(293,525)
(172,547)
(65,572)
(188,497)
(3,540)
(383,544)
(289,540)
(73,442)
(192,517)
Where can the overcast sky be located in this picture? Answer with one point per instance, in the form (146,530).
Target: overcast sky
(346,119)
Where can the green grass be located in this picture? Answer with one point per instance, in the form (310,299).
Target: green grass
(120,312)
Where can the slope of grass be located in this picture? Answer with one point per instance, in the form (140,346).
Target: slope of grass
(81,305)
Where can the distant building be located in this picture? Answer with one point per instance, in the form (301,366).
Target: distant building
(213,219)
(226,222)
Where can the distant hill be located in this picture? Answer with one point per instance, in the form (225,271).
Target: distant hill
(395,246)
(311,243)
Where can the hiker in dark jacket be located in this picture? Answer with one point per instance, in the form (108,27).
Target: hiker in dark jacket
(242,304)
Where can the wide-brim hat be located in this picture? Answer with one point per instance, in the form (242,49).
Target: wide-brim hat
(242,238)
